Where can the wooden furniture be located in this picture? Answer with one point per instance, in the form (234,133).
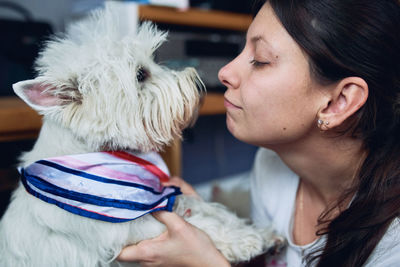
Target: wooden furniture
(196,17)
(18,121)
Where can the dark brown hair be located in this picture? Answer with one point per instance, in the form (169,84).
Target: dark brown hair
(361,38)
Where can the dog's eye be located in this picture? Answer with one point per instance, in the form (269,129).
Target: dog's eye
(142,74)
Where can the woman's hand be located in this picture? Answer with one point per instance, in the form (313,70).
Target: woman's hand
(186,188)
(181,245)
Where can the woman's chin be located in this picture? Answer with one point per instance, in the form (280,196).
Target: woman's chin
(230,124)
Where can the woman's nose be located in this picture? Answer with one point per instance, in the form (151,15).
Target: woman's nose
(228,76)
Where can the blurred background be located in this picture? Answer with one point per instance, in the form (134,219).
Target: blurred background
(205,34)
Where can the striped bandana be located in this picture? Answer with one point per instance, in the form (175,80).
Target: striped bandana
(110,186)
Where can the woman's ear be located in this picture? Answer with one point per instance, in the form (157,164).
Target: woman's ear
(42,96)
(347,97)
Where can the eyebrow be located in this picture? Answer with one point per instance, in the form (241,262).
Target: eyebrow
(255,39)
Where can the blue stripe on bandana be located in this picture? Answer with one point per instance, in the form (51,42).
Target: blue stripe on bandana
(81,184)
(95,177)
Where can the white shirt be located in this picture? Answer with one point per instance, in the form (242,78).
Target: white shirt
(273,195)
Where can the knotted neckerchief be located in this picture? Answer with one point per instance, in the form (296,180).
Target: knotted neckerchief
(113,186)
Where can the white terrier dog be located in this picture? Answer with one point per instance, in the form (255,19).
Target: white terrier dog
(100,90)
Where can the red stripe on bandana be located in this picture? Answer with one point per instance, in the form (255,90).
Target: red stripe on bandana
(144,163)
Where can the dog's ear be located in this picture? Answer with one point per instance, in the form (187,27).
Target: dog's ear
(43,96)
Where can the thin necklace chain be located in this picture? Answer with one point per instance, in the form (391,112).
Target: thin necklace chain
(300,213)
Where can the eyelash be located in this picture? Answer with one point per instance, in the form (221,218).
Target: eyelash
(258,64)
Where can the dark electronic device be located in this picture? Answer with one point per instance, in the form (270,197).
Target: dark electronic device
(19,46)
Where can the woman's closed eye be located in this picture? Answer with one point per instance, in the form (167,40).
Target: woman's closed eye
(259,64)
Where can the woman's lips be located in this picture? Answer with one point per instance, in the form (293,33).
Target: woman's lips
(229,104)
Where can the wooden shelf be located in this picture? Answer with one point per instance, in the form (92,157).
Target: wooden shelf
(213,104)
(196,17)
(17,120)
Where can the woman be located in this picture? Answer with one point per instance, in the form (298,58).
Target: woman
(318,85)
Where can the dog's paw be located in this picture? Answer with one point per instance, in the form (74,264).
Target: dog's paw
(243,249)
(279,243)
(250,242)
(272,242)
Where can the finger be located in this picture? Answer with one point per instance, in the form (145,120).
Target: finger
(186,188)
(170,219)
(144,251)
(167,217)
(175,180)
(131,253)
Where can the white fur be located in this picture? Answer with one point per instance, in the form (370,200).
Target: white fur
(88,92)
